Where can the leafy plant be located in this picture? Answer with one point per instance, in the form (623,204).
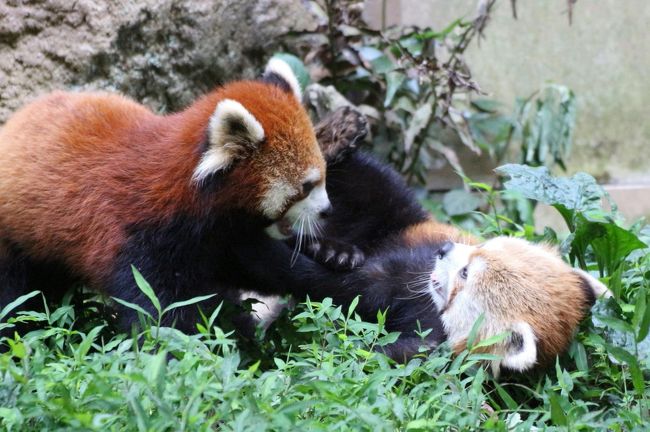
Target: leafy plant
(417,89)
(538,133)
(579,202)
(60,378)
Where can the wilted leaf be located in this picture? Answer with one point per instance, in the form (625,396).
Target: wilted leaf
(419,121)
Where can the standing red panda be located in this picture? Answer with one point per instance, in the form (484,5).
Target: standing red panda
(92,183)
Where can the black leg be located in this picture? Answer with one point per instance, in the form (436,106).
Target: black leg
(20,275)
(13,275)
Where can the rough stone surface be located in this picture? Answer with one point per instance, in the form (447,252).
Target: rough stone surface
(161,52)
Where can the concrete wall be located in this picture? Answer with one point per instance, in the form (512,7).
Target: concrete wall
(602,56)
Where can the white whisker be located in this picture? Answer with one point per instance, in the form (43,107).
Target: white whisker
(296,249)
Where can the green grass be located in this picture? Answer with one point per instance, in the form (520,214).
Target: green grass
(317,369)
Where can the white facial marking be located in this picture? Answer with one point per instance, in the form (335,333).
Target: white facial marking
(306,211)
(276,197)
(282,68)
(477,267)
(446,270)
(459,317)
(274,232)
(313,175)
(224,143)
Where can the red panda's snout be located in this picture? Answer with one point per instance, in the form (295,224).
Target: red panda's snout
(523,290)
(451,258)
(305,215)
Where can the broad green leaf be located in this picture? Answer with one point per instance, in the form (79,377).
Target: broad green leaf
(379,62)
(369,53)
(644,324)
(580,356)
(388,339)
(353,306)
(615,323)
(610,243)
(460,202)
(639,308)
(557,413)
(579,193)
(624,356)
(509,401)
(492,340)
(156,371)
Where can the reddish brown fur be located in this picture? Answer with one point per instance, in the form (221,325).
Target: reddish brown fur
(77,168)
(525,284)
(551,301)
(432,231)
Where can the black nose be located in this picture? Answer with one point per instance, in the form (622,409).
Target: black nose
(324,214)
(445,249)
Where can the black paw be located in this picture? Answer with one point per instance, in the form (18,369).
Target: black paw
(335,254)
(340,133)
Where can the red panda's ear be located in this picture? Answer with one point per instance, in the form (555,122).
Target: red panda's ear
(596,287)
(521,348)
(279,73)
(233,132)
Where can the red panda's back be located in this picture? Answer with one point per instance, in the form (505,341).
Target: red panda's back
(55,156)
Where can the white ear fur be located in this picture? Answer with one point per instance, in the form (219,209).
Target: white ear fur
(526,357)
(284,71)
(599,288)
(232,130)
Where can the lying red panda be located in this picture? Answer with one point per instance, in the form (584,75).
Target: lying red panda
(426,274)
(519,287)
(92,183)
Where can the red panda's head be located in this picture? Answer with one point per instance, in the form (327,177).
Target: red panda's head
(519,287)
(262,139)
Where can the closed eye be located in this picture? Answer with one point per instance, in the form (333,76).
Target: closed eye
(307,187)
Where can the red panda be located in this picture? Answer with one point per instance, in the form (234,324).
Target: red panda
(93,183)
(519,287)
(426,274)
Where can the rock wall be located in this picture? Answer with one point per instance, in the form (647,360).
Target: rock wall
(161,52)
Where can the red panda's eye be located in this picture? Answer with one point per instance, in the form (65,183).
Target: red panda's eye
(463,273)
(307,187)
